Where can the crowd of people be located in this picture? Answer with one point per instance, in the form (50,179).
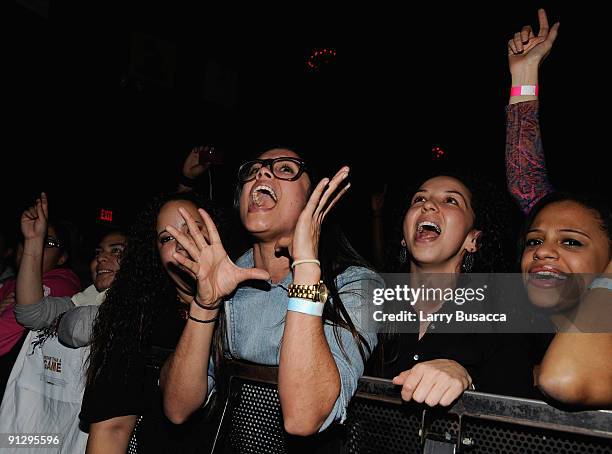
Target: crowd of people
(146,344)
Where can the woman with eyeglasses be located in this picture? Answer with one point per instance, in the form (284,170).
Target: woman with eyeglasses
(293,300)
(57,280)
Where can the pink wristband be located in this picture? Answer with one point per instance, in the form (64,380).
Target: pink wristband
(524,90)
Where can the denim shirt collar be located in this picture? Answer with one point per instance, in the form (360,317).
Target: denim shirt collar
(247,260)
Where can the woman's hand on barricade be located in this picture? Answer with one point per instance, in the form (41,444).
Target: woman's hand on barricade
(436,382)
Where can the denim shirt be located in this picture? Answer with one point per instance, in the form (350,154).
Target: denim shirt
(255,318)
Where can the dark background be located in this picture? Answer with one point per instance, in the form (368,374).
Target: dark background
(103,102)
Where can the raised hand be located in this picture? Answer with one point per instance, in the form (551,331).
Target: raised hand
(526,50)
(208,263)
(305,242)
(34,220)
(192,167)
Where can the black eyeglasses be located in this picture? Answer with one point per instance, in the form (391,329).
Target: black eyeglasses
(52,242)
(288,169)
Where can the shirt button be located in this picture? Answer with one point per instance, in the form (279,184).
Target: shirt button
(416,357)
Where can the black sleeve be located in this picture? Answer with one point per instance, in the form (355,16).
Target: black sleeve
(507,367)
(115,393)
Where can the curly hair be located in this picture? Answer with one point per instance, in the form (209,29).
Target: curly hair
(492,216)
(141,293)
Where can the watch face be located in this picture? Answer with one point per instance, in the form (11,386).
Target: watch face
(323,293)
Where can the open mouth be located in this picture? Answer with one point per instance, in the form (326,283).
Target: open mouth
(263,196)
(183,275)
(547,278)
(427,231)
(103,271)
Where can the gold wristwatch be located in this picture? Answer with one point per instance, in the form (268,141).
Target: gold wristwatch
(315,292)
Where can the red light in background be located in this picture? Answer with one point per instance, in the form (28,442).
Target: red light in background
(438,152)
(320,57)
(106,215)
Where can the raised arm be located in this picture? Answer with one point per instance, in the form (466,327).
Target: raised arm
(184,378)
(192,169)
(311,377)
(526,174)
(34,228)
(31,309)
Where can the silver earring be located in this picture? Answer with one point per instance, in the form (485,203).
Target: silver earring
(403,255)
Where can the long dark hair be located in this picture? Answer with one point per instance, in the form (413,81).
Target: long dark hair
(336,254)
(492,216)
(141,294)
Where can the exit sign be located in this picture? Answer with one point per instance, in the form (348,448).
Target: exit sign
(106,215)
